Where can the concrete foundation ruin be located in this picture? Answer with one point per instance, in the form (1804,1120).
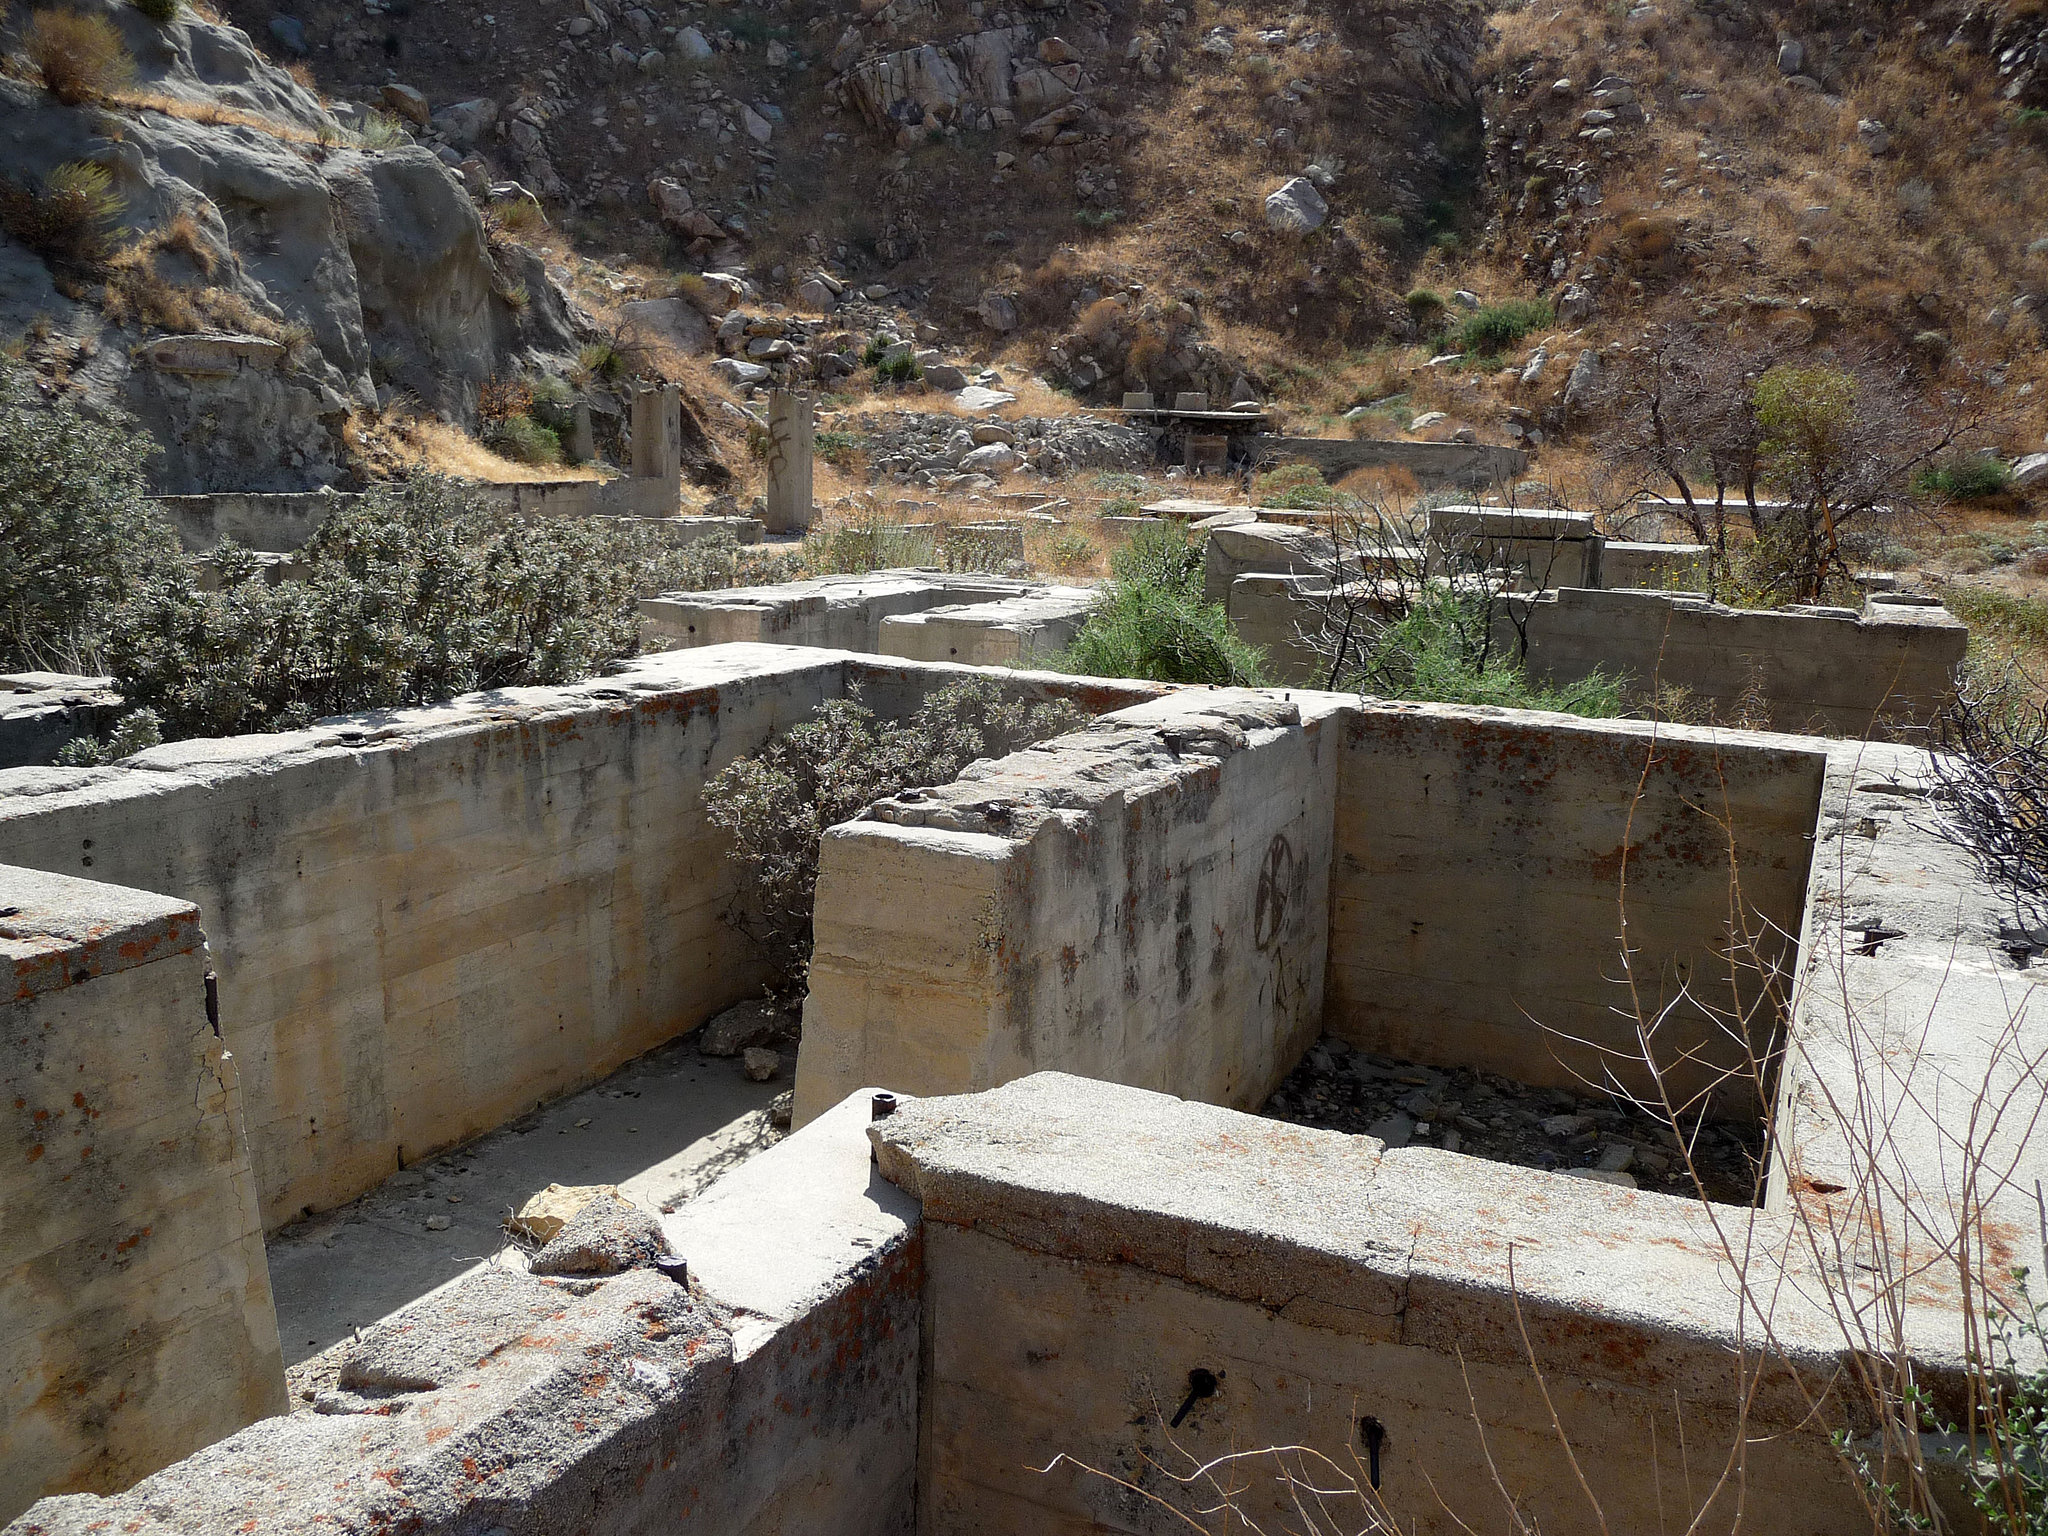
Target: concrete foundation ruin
(1077,968)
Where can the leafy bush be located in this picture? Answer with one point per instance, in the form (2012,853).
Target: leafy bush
(71,220)
(134,732)
(1302,488)
(1500,327)
(380,130)
(707,565)
(1440,652)
(158,11)
(1965,477)
(1155,623)
(525,441)
(845,449)
(76,530)
(413,594)
(1425,307)
(776,806)
(1071,552)
(80,57)
(900,370)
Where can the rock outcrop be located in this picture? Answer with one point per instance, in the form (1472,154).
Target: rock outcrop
(326,276)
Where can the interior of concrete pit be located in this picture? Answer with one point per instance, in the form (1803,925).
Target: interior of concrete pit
(302,1022)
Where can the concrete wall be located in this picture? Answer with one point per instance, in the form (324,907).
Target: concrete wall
(1828,672)
(777,1393)
(1477,896)
(1014,630)
(40,712)
(1629,564)
(430,923)
(1088,1246)
(844,613)
(1144,901)
(1471,466)
(427,921)
(1536,549)
(136,1302)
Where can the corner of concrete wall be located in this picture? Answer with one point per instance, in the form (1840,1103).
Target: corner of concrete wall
(1143,901)
(136,1297)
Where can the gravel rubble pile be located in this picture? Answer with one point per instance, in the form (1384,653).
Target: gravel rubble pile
(1585,1134)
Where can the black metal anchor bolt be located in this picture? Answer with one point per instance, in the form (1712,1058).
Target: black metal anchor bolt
(1374,1434)
(1202,1383)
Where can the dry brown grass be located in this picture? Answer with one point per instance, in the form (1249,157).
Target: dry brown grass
(211,112)
(78,57)
(446,450)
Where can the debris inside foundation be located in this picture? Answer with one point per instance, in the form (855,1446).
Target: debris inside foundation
(1483,1114)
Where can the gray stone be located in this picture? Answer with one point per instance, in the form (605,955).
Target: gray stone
(467,121)
(2030,471)
(739,373)
(607,1237)
(945,376)
(1791,56)
(289,33)
(754,1022)
(761,1064)
(994,459)
(408,103)
(1296,208)
(692,46)
(1873,135)
(997,311)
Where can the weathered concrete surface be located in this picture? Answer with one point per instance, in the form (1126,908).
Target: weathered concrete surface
(1486,861)
(1470,466)
(1909,1099)
(791,426)
(1088,1245)
(1831,673)
(136,1303)
(1263,548)
(40,712)
(429,920)
(660,1128)
(1031,626)
(1283,617)
(843,613)
(763,1398)
(1144,901)
(1539,549)
(1628,564)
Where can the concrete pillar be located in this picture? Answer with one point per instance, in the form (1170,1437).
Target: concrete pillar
(657,438)
(580,443)
(789,462)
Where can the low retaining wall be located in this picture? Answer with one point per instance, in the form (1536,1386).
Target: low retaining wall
(1144,901)
(41,712)
(137,1302)
(1089,1248)
(1471,466)
(971,619)
(1827,671)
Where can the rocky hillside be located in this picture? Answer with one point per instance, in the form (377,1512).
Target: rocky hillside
(237,276)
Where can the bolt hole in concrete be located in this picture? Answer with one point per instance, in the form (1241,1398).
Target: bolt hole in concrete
(1486,1115)
(661,1128)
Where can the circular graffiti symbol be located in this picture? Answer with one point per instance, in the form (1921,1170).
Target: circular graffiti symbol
(1276,878)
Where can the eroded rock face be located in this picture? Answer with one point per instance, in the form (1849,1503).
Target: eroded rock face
(332,270)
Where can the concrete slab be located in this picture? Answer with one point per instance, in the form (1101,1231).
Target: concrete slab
(661,1128)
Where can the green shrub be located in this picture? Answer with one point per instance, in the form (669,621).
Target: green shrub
(1440,652)
(1154,622)
(380,130)
(900,370)
(1965,477)
(134,732)
(844,449)
(604,359)
(1425,307)
(1071,552)
(413,594)
(777,805)
(77,532)
(525,441)
(72,220)
(159,11)
(1302,488)
(872,354)
(1500,327)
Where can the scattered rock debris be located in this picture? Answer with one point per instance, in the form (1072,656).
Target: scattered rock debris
(1337,1088)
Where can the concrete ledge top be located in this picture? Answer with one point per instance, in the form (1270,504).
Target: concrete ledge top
(1419,1247)
(57,931)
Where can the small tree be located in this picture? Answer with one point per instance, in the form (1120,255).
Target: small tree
(1813,446)
(77,531)
(1156,623)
